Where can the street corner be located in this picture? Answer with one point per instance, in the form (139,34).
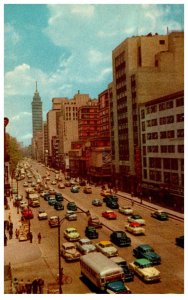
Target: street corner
(23,252)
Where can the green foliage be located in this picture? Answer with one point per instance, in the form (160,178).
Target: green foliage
(14,150)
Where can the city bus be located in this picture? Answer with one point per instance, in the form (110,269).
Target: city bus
(103,273)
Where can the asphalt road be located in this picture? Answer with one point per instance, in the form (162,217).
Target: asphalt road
(41,260)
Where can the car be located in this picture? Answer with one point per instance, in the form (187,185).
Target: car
(135,228)
(53,182)
(87,190)
(160,215)
(110,197)
(74,189)
(46,196)
(34,203)
(58,206)
(94,221)
(27,213)
(146,251)
(51,201)
(143,268)
(71,234)
(105,193)
(137,218)
(71,206)
(126,210)
(85,246)
(23,204)
(96,202)
(82,183)
(129,274)
(91,232)
(42,215)
(107,248)
(109,214)
(71,215)
(25,184)
(59,197)
(180,241)
(18,197)
(69,251)
(33,184)
(120,238)
(67,184)
(61,186)
(117,287)
(111,203)
(53,221)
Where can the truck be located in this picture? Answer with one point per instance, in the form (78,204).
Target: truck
(105,274)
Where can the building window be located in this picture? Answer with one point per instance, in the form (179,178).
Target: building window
(180,102)
(180,118)
(171,149)
(145,174)
(162,42)
(180,148)
(143,138)
(142,114)
(180,133)
(166,163)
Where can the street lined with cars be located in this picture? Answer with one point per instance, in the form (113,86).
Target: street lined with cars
(156,234)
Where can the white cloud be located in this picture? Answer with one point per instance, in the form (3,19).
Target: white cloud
(20,116)
(11,36)
(83,10)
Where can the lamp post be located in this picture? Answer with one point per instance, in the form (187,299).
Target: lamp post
(59,247)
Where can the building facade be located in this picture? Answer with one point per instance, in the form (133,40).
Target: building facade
(37,122)
(144,68)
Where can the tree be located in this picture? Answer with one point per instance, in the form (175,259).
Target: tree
(14,151)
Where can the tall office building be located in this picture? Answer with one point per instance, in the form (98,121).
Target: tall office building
(36,113)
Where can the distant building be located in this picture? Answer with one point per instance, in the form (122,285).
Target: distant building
(145,68)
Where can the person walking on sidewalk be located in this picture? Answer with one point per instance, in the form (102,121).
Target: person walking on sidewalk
(39,237)
(17,233)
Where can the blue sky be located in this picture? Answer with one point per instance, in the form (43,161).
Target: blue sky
(67,48)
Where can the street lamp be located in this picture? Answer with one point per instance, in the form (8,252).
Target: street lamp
(59,246)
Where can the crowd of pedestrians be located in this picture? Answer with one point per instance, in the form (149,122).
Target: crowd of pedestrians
(28,287)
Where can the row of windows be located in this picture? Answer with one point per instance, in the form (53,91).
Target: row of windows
(169,178)
(164,149)
(163,163)
(163,135)
(163,121)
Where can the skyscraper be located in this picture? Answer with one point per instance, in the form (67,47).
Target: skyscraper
(36,113)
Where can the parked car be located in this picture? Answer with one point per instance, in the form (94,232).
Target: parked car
(69,251)
(126,210)
(137,218)
(53,182)
(61,186)
(74,189)
(25,184)
(42,215)
(129,274)
(67,184)
(58,206)
(71,215)
(87,190)
(53,221)
(109,214)
(85,246)
(46,196)
(51,201)
(135,228)
(97,202)
(105,193)
(59,197)
(23,204)
(180,241)
(146,251)
(143,268)
(120,238)
(160,215)
(71,206)
(91,232)
(71,234)
(18,197)
(34,203)
(107,248)
(94,221)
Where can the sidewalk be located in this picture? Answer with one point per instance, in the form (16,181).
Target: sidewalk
(152,206)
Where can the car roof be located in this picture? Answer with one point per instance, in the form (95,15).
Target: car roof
(142,262)
(104,242)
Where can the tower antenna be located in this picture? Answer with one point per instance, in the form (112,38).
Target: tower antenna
(36,86)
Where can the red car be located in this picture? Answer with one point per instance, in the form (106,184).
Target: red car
(27,213)
(109,214)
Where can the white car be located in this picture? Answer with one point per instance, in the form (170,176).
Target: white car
(125,210)
(135,228)
(136,218)
(85,246)
(143,268)
(69,251)
(25,184)
(71,215)
(23,204)
(107,248)
(42,215)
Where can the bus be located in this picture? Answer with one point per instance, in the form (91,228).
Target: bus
(105,274)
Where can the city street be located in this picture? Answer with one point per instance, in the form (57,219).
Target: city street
(33,260)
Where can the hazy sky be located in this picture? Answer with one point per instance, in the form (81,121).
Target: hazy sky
(66,48)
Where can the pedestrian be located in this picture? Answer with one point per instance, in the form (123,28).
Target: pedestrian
(9,216)
(35,286)
(5,240)
(17,233)
(7,225)
(21,287)
(28,287)
(31,237)
(10,233)
(39,237)
(11,225)
(132,201)
(40,285)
